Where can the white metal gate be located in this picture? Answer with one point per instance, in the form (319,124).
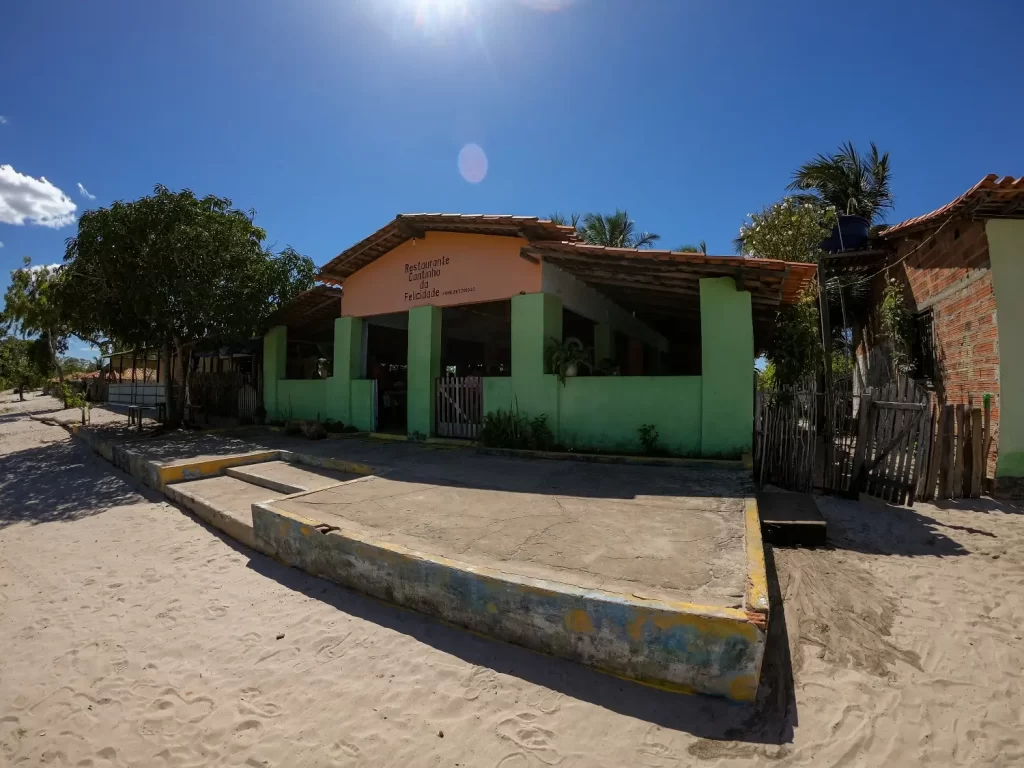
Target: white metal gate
(460,406)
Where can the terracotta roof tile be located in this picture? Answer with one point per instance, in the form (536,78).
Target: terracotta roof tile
(992,197)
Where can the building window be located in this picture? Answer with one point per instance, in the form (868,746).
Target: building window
(924,347)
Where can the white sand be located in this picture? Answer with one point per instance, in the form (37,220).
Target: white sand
(130,634)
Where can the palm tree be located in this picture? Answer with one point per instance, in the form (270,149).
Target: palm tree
(853,183)
(614,231)
(700,247)
(558,218)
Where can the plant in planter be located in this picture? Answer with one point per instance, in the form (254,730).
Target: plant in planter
(568,356)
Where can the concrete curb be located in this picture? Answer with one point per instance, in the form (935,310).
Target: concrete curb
(677,646)
(601,458)
(673,645)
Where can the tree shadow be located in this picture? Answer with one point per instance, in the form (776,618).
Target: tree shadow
(875,527)
(59,482)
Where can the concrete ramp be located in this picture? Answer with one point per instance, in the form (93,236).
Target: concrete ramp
(284,477)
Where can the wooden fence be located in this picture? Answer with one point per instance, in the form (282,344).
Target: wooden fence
(890,442)
(460,406)
(786,438)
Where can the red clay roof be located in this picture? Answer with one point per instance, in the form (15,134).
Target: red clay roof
(638,276)
(406,226)
(990,198)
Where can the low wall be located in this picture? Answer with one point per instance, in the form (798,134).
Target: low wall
(679,646)
(363,405)
(137,394)
(605,413)
(300,399)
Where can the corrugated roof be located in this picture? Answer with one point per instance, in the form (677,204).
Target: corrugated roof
(406,226)
(312,312)
(990,198)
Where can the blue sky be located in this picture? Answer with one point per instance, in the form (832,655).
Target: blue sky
(328,117)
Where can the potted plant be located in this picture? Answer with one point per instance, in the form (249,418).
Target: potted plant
(567,357)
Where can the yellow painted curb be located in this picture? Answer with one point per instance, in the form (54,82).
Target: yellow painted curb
(193,470)
(756,600)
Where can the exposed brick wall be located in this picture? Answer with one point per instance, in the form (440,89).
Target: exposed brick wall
(951,276)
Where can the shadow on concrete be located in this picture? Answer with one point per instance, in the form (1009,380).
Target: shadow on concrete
(465,468)
(875,527)
(769,721)
(59,482)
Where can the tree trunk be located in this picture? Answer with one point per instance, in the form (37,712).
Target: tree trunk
(56,364)
(172,406)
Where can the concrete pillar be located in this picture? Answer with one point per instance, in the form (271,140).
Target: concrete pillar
(348,364)
(424,367)
(1006,254)
(536,325)
(727,368)
(604,343)
(274,358)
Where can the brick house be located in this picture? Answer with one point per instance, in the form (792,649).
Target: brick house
(962,267)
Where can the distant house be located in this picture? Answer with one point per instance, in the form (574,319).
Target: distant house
(962,267)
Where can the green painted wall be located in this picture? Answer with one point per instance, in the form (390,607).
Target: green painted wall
(727,368)
(362,405)
(424,367)
(606,412)
(274,355)
(302,399)
(536,322)
(1006,254)
(348,357)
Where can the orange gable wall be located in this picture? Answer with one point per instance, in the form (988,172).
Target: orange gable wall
(442,269)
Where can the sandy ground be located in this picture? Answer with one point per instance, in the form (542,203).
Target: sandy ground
(131,634)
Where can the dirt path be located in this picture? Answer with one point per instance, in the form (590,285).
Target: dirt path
(131,634)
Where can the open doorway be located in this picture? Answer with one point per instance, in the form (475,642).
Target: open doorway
(387,362)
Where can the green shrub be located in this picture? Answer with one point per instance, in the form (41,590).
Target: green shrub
(511,429)
(649,439)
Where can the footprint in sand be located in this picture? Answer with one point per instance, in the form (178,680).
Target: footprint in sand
(331,648)
(253,704)
(247,732)
(251,638)
(480,680)
(524,731)
(547,702)
(515,760)
(345,749)
(653,753)
(216,610)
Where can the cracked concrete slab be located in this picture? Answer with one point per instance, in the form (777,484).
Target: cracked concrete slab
(666,533)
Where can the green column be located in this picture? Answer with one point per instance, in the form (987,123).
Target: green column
(727,368)
(274,356)
(348,359)
(1006,253)
(604,343)
(424,367)
(536,323)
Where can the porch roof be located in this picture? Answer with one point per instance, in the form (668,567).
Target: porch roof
(667,283)
(990,198)
(406,226)
(311,314)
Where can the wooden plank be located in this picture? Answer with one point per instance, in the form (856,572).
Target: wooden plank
(903,421)
(857,482)
(922,443)
(986,444)
(977,454)
(899,406)
(948,447)
(957,490)
(935,454)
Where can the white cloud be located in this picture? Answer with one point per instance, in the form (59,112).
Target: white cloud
(28,200)
(1,243)
(85,192)
(3,120)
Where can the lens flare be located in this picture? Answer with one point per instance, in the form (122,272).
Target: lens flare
(472,163)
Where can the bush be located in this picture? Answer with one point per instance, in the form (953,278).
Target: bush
(511,429)
(649,439)
(314,430)
(334,427)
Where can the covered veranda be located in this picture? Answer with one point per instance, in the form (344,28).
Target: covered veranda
(452,316)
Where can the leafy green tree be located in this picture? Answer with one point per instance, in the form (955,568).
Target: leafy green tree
(170,270)
(17,368)
(848,181)
(616,230)
(790,230)
(32,306)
